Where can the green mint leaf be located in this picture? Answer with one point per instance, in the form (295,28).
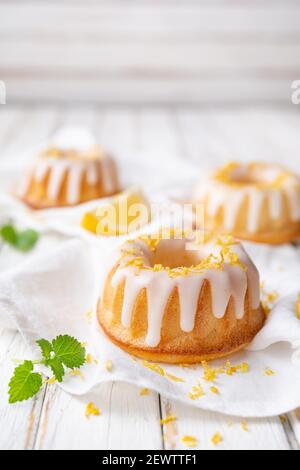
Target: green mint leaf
(9,234)
(27,240)
(22,241)
(46,347)
(69,351)
(57,367)
(24,383)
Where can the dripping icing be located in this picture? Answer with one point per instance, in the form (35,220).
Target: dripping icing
(57,169)
(230,198)
(230,282)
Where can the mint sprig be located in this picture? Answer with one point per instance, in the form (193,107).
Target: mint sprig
(23,241)
(25,383)
(63,352)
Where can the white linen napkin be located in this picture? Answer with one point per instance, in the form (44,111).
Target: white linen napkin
(49,292)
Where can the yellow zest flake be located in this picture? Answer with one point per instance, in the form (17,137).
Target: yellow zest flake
(189,441)
(89,359)
(244,426)
(215,390)
(168,419)
(91,410)
(174,378)
(51,381)
(232,258)
(243,368)
(226,240)
(151,241)
(231,370)
(224,174)
(135,262)
(109,365)
(266,308)
(298,307)
(269,372)
(196,392)
(273,296)
(89,315)
(144,392)
(158,267)
(154,367)
(209,373)
(268,299)
(76,373)
(216,439)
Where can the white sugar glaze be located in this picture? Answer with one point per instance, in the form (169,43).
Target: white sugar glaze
(94,170)
(219,195)
(231,282)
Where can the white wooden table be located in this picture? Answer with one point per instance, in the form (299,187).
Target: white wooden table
(55,420)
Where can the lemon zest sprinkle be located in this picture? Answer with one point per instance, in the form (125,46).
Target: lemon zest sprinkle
(92,410)
(168,419)
(189,441)
(154,367)
(144,391)
(216,439)
(244,368)
(215,390)
(209,373)
(244,426)
(196,392)
(268,298)
(212,262)
(174,378)
(109,365)
(89,359)
(76,373)
(89,315)
(51,380)
(269,372)
(225,175)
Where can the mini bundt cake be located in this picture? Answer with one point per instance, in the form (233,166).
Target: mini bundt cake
(178,301)
(258,202)
(66,177)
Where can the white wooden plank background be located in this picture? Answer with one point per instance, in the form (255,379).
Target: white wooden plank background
(170,51)
(55,420)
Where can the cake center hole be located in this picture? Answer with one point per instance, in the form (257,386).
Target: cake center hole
(243,175)
(173,254)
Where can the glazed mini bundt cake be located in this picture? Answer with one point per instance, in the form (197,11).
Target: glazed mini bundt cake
(67,177)
(178,301)
(258,202)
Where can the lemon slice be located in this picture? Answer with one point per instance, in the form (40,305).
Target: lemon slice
(89,222)
(123,214)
